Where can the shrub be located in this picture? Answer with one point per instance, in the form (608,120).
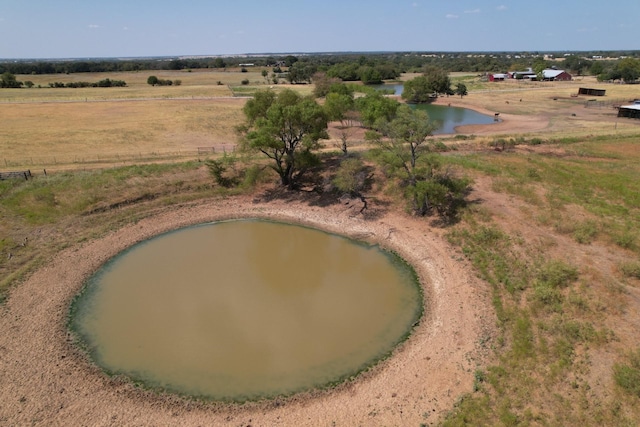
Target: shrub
(557,274)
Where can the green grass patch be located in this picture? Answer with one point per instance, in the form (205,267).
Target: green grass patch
(627,375)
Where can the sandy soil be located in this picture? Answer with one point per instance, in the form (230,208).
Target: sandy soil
(47,381)
(506,124)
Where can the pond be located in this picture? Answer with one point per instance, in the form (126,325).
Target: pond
(247,309)
(447,118)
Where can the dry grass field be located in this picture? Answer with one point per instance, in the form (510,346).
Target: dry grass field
(540,301)
(62,127)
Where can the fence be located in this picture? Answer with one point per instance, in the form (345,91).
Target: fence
(610,103)
(15,175)
(97,160)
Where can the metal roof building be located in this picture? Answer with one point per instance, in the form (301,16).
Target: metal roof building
(631,111)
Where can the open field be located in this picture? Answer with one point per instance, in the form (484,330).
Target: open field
(532,298)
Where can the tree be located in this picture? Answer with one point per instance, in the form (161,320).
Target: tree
(576,63)
(461,89)
(628,69)
(405,152)
(219,63)
(152,80)
(417,90)
(375,106)
(8,80)
(300,73)
(286,128)
(351,178)
(322,84)
(438,80)
(370,75)
(338,106)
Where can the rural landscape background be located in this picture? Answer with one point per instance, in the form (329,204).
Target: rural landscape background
(547,221)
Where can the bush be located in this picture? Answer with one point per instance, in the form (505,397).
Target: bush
(245,82)
(557,274)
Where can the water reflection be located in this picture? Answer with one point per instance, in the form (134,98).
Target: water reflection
(446,118)
(243,309)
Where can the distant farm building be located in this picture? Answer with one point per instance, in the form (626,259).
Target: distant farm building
(556,75)
(631,111)
(591,92)
(498,77)
(548,75)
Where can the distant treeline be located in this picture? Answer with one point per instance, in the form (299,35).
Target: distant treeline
(367,67)
(101,83)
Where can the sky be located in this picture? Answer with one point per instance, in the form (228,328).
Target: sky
(137,28)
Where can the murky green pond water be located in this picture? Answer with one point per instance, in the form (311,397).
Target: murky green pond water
(245,309)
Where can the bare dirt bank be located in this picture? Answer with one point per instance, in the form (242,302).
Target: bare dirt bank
(47,381)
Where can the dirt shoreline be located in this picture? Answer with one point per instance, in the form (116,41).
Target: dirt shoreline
(507,124)
(47,381)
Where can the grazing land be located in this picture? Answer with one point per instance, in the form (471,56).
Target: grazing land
(532,297)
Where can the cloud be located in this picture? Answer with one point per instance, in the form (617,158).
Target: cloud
(415,4)
(93,26)
(472,11)
(452,16)
(502,7)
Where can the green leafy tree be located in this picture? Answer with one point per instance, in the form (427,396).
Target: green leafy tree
(286,128)
(461,89)
(370,75)
(417,90)
(219,63)
(351,178)
(374,107)
(8,80)
(300,73)
(596,68)
(438,80)
(406,154)
(153,80)
(628,69)
(576,64)
(289,60)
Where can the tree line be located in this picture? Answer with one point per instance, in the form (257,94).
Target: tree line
(365,67)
